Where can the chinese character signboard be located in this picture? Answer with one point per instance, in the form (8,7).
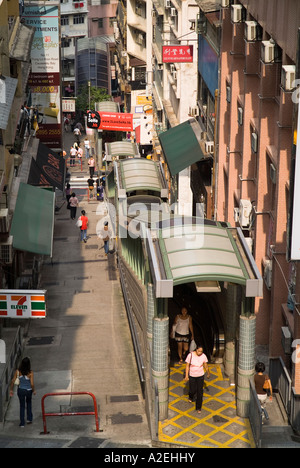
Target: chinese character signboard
(44,79)
(22,303)
(111,121)
(178,54)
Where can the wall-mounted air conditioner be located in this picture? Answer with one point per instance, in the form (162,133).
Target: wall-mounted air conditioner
(194,111)
(225,3)
(288,75)
(244,213)
(236,214)
(173,12)
(168,4)
(6,251)
(240,115)
(140,39)
(228,93)
(273,173)
(251,30)
(4,221)
(236,13)
(209,147)
(286,340)
(268,273)
(254,142)
(172,68)
(174,75)
(268,51)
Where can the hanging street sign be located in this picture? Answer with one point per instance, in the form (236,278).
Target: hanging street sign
(178,54)
(23,303)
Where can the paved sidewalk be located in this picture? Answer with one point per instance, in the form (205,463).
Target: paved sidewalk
(84,344)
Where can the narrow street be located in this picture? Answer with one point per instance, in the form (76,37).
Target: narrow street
(84,345)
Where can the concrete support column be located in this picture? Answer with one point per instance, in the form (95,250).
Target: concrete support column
(233,310)
(246,363)
(160,364)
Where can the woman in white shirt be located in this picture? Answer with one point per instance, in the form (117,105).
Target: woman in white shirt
(183,325)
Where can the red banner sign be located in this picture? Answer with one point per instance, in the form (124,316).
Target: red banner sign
(111,121)
(178,54)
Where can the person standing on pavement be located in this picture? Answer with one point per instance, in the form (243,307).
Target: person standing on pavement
(87,148)
(25,390)
(73,202)
(91,164)
(73,154)
(90,183)
(196,367)
(84,225)
(183,325)
(105,235)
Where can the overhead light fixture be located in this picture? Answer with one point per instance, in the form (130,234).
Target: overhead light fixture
(207,286)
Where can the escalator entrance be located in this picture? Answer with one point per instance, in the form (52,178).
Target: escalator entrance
(207,316)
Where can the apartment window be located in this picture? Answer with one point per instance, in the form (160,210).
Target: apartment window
(64,21)
(78,19)
(65,42)
(112,21)
(100,23)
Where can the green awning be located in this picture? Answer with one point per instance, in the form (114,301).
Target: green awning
(181,146)
(33,220)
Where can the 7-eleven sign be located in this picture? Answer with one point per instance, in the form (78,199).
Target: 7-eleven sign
(22,303)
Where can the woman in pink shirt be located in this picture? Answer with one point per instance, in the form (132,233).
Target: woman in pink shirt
(196,367)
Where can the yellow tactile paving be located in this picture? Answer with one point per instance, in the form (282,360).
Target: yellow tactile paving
(218,426)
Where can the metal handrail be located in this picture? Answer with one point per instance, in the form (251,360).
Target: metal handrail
(79,413)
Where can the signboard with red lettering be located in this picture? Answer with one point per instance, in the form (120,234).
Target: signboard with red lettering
(111,121)
(178,54)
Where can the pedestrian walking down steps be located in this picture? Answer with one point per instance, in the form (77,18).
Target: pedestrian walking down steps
(82,223)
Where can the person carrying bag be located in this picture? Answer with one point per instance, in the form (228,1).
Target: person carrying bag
(196,367)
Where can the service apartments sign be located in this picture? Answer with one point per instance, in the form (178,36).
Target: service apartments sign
(20,304)
(111,121)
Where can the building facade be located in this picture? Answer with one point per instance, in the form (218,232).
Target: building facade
(255,153)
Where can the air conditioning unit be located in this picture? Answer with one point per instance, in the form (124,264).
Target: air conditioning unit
(6,251)
(288,75)
(250,30)
(273,173)
(174,75)
(236,13)
(249,242)
(254,142)
(268,51)
(286,340)
(236,214)
(4,221)
(240,115)
(168,4)
(268,273)
(225,3)
(173,12)
(140,39)
(194,111)
(209,147)
(172,68)
(228,93)
(244,213)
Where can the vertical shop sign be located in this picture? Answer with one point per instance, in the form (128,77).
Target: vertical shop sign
(44,79)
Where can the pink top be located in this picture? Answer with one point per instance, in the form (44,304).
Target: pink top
(196,364)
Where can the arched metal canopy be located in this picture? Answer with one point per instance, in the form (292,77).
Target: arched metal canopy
(200,250)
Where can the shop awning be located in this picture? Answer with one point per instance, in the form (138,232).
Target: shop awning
(181,146)
(33,220)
